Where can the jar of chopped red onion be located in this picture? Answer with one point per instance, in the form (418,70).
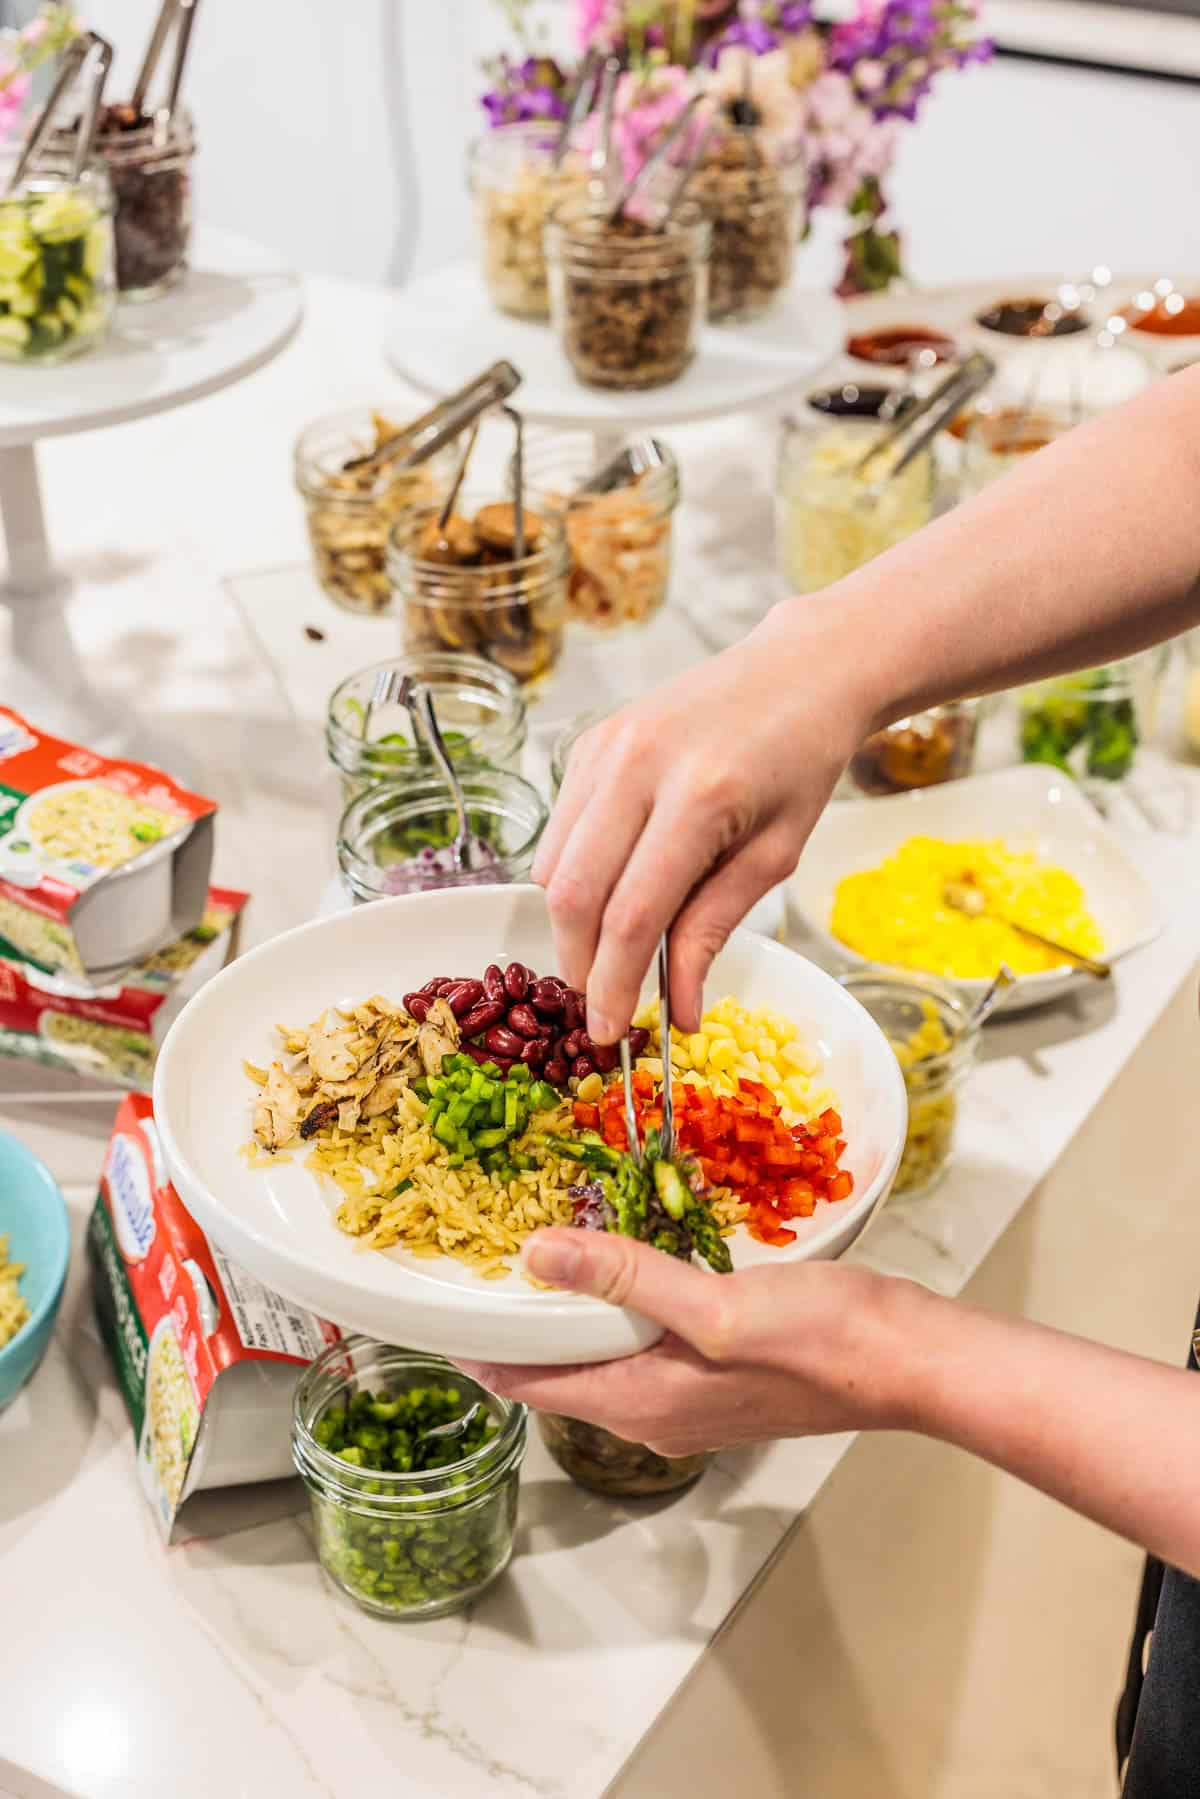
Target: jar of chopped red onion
(398,837)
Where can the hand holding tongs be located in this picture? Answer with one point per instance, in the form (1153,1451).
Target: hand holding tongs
(667,1131)
(931,414)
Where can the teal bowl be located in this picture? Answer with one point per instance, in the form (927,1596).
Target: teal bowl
(33,1216)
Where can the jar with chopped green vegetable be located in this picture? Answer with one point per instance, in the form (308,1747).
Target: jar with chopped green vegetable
(1091,725)
(412,1470)
(57,281)
(479,708)
(929,1027)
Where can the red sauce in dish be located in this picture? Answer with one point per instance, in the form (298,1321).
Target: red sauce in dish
(1167,321)
(894,345)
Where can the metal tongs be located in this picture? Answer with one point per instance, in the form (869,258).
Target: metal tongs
(931,414)
(178,16)
(87,50)
(639,457)
(444,422)
(667,1131)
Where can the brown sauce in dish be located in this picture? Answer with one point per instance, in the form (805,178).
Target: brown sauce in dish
(893,346)
(1016,433)
(1023,318)
(1167,320)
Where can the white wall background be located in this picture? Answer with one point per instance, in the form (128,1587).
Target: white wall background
(336,130)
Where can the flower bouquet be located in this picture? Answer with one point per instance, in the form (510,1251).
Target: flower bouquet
(788,114)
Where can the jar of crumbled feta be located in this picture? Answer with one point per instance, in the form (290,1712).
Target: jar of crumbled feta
(832,516)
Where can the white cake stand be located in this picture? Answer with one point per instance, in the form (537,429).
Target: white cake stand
(444,329)
(234,311)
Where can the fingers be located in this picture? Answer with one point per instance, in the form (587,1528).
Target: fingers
(693,1305)
(715,909)
(573,795)
(685,836)
(589,866)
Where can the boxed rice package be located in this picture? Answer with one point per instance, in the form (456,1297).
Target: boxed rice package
(114,1032)
(206,1356)
(102,862)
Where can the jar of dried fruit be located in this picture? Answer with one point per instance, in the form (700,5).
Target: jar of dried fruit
(465,588)
(602,1463)
(351,508)
(150,168)
(754,199)
(620,541)
(627,300)
(516,184)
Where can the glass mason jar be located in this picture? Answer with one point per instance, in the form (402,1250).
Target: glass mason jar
(565,742)
(831,519)
(620,542)
(415,1545)
(396,837)
(756,205)
(928,1025)
(602,1463)
(515,187)
(1092,724)
(151,175)
(479,709)
(350,514)
(57,283)
(995,440)
(508,611)
(921,751)
(627,302)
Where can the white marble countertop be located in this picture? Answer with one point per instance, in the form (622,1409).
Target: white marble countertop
(226,1664)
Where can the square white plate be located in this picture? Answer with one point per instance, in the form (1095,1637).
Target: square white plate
(1031,808)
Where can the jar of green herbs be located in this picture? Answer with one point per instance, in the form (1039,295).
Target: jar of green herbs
(412,1472)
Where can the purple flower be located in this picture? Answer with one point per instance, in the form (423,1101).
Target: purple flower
(533,89)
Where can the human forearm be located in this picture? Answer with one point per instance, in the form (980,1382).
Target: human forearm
(1088,552)
(1113,1436)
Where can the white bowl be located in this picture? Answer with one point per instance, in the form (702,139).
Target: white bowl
(1031,808)
(277,1222)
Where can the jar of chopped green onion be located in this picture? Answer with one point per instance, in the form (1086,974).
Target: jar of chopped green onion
(408,1522)
(479,708)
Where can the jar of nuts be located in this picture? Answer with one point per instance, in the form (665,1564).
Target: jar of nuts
(479,709)
(515,185)
(620,541)
(755,203)
(352,509)
(626,299)
(465,587)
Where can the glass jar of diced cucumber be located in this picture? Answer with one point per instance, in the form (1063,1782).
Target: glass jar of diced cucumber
(57,275)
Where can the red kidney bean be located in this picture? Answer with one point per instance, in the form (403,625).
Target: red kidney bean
(525,1021)
(482,1056)
(572,1044)
(493,981)
(432,988)
(462,998)
(547,996)
(556,1071)
(418,1005)
(448,985)
(516,980)
(639,1041)
(582,1066)
(573,1009)
(503,1042)
(487,1013)
(605,1056)
(535,1052)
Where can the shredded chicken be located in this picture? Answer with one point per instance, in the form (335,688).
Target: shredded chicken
(348,1065)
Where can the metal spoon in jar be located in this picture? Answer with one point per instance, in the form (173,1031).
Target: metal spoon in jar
(984,1007)
(418,703)
(456,1427)
(965,897)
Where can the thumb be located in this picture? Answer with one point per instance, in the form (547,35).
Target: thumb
(690,1303)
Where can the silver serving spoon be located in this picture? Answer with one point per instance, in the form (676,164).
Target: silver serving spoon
(456,1426)
(417,701)
(966,898)
(667,1133)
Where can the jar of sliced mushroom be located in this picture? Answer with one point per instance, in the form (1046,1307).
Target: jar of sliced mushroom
(352,508)
(620,541)
(469,585)
(516,183)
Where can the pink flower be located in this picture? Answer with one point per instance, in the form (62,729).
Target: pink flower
(13,93)
(35,31)
(869,76)
(598,23)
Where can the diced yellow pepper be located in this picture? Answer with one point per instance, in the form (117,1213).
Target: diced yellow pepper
(698,1049)
(723,1054)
